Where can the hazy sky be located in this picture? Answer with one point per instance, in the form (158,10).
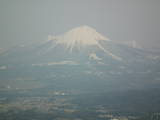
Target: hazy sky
(24,21)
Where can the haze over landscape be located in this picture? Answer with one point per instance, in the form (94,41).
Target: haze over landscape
(79,60)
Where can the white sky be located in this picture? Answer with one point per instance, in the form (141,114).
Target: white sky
(24,21)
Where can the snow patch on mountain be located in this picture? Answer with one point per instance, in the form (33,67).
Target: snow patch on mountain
(3,67)
(110,54)
(93,56)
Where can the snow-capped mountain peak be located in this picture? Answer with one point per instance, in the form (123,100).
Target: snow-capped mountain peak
(79,37)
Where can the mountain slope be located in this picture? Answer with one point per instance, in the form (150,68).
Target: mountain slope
(80,59)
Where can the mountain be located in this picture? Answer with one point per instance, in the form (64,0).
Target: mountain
(81,59)
(79,37)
